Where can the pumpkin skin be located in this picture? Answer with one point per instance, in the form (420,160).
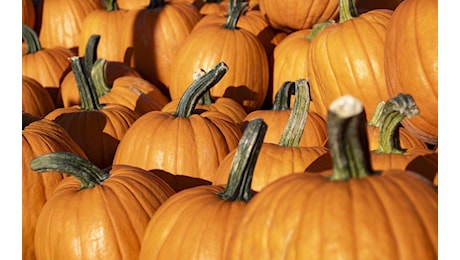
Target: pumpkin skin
(247,80)
(411,63)
(62,19)
(35,99)
(28,13)
(108,220)
(292,15)
(150,40)
(46,65)
(348,212)
(359,71)
(39,136)
(132,4)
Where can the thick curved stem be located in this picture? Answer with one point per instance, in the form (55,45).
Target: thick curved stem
(64,162)
(31,39)
(88,96)
(347,10)
(110,5)
(318,28)
(91,53)
(295,126)
(235,14)
(198,88)
(282,99)
(391,115)
(348,141)
(98,76)
(242,169)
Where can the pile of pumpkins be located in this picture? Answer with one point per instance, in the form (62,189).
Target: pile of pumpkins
(229,129)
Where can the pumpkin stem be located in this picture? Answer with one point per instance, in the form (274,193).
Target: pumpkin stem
(391,114)
(198,88)
(318,28)
(348,141)
(31,39)
(111,5)
(235,14)
(99,78)
(242,169)
(65,162)
(282,99)
(206,99)
(88,96)
(347,10)
(91,53)
(295,126)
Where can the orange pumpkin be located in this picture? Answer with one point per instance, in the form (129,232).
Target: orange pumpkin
(293,15)
(411,62)
(181,143)
(61,21)
(35,99)
(132,4)
(28,13)
(349,212)
(107,23)
(359,71)
(287,156)
(96,214)
(46,65)
(97,128)
(39,136)
(150,38)
(247,80)
(203,217)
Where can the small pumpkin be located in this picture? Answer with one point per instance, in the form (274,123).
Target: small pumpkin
(96,214)
(348,212)
(35,99)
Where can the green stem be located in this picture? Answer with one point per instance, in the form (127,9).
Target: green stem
(318,28)
(243,164)
(235,14)
(198,88)
(347,10)
(98,76)
(282,99)
(348,141)
(65,162)
(31,39)
(91,53)
(295,126)
(88,96)
(390,116)
(206,99)
(111,5)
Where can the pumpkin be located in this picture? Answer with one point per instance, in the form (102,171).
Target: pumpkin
(35,99)
(96,214)
(107,23)
(411,62)
(314,132)
(61,21)
(247,81)
(204,216)
(293,15)
(214,6)
(135,93)
(360,70)
(347,212)
(228,106)
(46,65)
(97,128)
(150,38)
(68,91)
(28,13)
(132,4)
(286,156)
(181,143)
(389,153)
(39,136)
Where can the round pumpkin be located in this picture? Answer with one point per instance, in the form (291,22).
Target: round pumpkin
(35,99)
(411,62)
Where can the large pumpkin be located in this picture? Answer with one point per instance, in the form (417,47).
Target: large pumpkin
(96,214)
(248,77)
(358,71)
(411,62)
(181,143)
(349,212)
